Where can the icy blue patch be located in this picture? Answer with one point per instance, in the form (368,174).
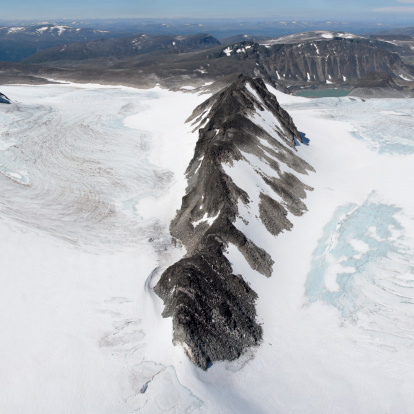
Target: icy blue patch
(3,117)
(386,125)
(21,177)
(364,266)
(369,225)
(384,145)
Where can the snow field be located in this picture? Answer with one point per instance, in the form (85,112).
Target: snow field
(82,329)
(317,356)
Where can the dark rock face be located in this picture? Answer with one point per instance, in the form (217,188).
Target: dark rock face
(337,60)
(213,309)
(4,99)
(329,60)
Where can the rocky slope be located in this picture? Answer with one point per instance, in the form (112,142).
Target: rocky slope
(243,132)
(380,85)
(4,99)
(400,44)
(320,58)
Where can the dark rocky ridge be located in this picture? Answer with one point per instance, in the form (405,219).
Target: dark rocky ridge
(4,99)
(213,309)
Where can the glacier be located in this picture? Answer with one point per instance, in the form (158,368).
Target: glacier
(91,177)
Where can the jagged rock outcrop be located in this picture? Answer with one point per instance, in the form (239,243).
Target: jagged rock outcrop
(4,99)
(243,131)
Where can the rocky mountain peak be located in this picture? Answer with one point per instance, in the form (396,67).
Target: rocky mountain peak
(244,174)
(242,98)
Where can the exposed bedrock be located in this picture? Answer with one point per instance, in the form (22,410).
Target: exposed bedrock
(242,131)
(4,99)
(330,61)
(306,60)
(213,310)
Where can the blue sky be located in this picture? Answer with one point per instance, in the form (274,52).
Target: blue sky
(39,9)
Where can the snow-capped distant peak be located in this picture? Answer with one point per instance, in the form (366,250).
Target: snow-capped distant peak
(314,36)
(60,29)
(43,29)
(15,29)
(40,29)
(53,30)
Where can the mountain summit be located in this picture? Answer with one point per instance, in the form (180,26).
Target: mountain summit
(242,179)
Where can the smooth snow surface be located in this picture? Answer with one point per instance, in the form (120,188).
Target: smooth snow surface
(91,177)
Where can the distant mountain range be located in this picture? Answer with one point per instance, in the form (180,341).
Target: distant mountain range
(405,31)
(124,47)
(19,42)
(221,28)
(314,59)
(51,31)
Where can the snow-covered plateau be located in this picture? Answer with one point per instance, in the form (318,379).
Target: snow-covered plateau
(91,177)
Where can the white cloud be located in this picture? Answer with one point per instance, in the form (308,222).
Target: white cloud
(395,9)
